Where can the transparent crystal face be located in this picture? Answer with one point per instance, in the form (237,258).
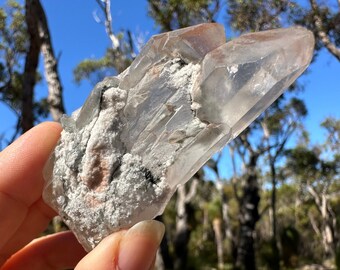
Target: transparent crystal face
(141,134)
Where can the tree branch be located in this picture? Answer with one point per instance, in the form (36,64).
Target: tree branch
(282,144)
(314,225)
(234,184)
(246,143)
(316,197)
(16,132)
(192,190)
(105,5)
(322,34)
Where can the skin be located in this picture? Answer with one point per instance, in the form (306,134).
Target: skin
(24,216)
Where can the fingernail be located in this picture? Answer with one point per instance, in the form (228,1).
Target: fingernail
(139,245)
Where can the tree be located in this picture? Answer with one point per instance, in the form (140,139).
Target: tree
(224,213)
(183,229)
(325,23)
(171,15)
(318,176)
(248,201)
(25,34)
(39,41)
(55,89)
(272,130)
(278,128)
(332,127)
(112,63)
(321,18)
(14,46)
(31,65)
(117,57)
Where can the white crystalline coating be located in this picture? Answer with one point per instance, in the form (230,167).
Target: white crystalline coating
(141,134)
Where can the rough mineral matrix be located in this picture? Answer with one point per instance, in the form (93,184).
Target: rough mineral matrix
(144,132)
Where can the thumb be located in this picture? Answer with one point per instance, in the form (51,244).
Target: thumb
(126,250)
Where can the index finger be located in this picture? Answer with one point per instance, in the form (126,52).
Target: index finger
(22,162)
(22,211)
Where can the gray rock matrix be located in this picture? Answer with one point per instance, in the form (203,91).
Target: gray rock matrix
(144,132)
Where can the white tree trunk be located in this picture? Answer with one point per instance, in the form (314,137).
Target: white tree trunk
(183,230)
(55,90)
(217,226)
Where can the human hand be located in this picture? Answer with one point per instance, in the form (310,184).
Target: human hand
(24,215)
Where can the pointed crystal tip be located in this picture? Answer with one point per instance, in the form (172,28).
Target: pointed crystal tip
(244,76)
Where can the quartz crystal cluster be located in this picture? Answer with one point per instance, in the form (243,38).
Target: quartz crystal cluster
(144,132)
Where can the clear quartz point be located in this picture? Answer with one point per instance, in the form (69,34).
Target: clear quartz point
(144,132)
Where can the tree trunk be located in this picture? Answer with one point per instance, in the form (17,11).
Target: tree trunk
(55,98)
(183,230)
(225,215)
(182,235)
(39,37)
(275,249)
(164,260)
(226,220)
(217,226)
(327,230)
(31,64)
(159,263)
(249,215)
(328,226)
(205,223)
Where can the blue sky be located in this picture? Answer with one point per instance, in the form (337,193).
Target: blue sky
(76,36)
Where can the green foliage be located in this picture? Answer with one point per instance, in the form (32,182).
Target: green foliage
(267,256)
(310,167)
(13,46)
(13,49)
(337,257)
(12,27)
(89,68)
(329,17)
(286,114)
(317,174)
(332,127)
(202,254)
(214,207)
(250,15)
(112,63)
(303,161)
(41,108)
(173,14)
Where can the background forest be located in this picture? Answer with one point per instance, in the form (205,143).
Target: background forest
(270,199)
